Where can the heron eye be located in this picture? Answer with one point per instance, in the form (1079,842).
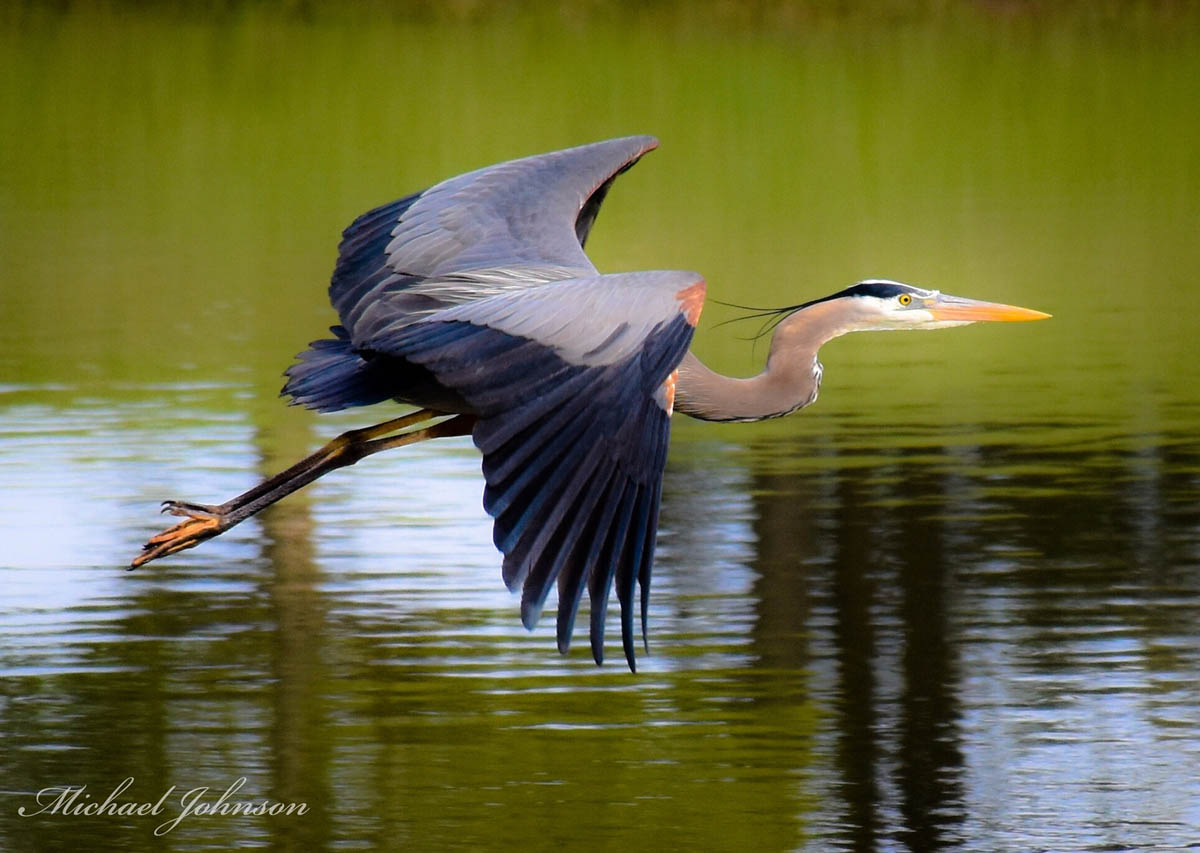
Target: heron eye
(905,299)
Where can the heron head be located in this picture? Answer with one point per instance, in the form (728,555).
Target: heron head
(879,304)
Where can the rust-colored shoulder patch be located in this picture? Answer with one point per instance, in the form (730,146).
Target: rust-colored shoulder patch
(691,301)
(666,393)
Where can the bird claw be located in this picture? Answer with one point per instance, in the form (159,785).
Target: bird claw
(201,522)
(190,510)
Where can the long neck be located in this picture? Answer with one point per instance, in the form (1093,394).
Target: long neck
(789,381)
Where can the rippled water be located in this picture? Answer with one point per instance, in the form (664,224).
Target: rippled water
(947,641)
(956,603)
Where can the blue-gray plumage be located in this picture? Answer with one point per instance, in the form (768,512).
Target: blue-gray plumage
(474,301)
(560,420)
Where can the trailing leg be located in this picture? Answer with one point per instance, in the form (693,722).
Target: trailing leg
(202,521)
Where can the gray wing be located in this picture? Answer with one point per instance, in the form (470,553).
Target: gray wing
(596,320)
(573,388)
(509,226)
(502,229)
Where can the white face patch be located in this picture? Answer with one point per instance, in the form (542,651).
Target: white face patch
(890,314)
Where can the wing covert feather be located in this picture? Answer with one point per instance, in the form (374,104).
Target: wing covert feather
(510,226)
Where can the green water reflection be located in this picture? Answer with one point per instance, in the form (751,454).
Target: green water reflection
(953,604)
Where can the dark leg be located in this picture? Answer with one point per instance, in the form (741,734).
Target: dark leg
(204,522)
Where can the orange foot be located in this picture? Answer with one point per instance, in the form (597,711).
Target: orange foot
(202,522)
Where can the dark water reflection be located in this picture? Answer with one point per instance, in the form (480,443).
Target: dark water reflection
(865,642)
(1037,625)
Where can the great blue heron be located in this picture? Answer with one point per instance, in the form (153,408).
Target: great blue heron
(474,301)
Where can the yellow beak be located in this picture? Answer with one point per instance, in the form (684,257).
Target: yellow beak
(963,310)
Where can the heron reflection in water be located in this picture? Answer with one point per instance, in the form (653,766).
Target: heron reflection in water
(474,301)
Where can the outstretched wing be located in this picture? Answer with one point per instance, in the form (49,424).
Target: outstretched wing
(573,386)
(503,227)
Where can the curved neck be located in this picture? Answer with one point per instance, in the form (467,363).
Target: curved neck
(789,381)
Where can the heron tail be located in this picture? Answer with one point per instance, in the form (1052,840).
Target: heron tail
(330,375)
